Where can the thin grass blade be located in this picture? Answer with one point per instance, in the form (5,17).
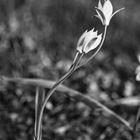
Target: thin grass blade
(39,98)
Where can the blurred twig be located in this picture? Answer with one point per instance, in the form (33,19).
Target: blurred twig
(132,101)
(39,99)
(91,102)
(135,124)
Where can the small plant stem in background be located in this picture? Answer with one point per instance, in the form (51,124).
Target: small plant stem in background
(60,81)
(135,124)
(91,102)
(94,54)
(39,99)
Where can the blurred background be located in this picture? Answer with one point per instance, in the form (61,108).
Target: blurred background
(38,40)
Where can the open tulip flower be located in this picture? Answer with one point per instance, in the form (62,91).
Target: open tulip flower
(105,11)
(88,41)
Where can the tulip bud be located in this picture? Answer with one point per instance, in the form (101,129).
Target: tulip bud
(105,11)
(88,41)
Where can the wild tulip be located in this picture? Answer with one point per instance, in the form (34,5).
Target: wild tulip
(88,41)
(105,11)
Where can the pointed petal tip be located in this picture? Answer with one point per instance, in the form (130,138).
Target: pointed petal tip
(100,6)
(96,31)
(93,28)
(96,8)
(123,8)
(100,35)
(85,31)
(117,11)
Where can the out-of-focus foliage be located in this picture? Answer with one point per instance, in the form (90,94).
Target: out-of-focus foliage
(38,39)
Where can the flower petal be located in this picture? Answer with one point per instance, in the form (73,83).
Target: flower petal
(107,7)
(97,16)
(98,40)
(117,11)
(100,15)
(91,34)
(80,43)
(100,5)
(88,47)
(93,43)
(107,10)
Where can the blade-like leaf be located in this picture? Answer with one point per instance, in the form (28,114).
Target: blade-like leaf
(100,15)
(91,102)
(117,11)
(39,98)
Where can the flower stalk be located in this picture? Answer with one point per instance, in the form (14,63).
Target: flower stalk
(76,61)
(88,41)
(75,65)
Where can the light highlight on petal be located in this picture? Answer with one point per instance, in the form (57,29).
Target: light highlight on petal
(88,41)
(105,11)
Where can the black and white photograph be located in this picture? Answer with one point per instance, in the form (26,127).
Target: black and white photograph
(69,70)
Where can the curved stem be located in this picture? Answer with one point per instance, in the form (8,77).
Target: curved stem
(71,70)
(103,38)
(135,124)
(60,81)
(74,60)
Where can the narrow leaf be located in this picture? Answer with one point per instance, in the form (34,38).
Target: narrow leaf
(91,102)
(39,98)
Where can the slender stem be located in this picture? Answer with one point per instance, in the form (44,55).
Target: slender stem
(71,70)
(39,99)
(80,58)
(135,124)
(75,58)
(103,38)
